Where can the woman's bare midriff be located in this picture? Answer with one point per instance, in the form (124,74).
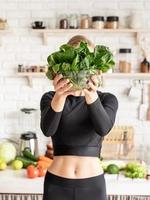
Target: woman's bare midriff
(75,166)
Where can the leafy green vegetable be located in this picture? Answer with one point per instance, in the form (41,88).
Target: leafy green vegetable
(135,170)
(78,63)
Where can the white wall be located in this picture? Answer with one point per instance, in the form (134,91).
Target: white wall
(22,46)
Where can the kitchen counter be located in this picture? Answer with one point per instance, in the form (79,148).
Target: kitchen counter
(16,182)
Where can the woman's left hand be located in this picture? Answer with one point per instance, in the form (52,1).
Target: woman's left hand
(91,93)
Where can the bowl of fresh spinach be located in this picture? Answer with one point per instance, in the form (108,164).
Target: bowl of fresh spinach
(79,63)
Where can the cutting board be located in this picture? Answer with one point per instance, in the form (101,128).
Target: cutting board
(119,143)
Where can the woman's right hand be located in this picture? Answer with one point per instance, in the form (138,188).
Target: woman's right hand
(62,86)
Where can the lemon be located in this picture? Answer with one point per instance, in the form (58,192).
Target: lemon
(17,164)
(3,165)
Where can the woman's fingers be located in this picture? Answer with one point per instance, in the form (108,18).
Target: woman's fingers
(65,88)
(57,78)
(95,80)
(92,86)
(61,84)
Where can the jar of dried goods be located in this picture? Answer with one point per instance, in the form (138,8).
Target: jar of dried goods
(125,60)
(85,21)
(112,22)
(145,65)
(97,22)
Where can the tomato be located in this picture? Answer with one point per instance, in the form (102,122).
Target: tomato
(32,171)
(42,171)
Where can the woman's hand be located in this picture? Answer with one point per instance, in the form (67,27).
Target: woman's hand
(91,93)
(62,86)
(49,151)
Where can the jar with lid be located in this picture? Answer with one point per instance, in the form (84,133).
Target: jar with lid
(85,21)
(112,22)
(73,21)
(97,22)
(125,60)
(145,65)
(20,67)
(63,22)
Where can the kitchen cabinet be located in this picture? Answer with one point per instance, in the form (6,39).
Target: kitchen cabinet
(15,185)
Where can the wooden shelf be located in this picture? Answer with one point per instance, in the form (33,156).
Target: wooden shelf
(30,75)
(53,32)
(136,76)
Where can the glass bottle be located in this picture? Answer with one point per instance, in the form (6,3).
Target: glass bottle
(125,60)
(145,65)
(63,22)
(85,21)
(112,22)
(73,21)
(97,22)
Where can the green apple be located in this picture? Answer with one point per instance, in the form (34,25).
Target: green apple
(3,165)
(17,164)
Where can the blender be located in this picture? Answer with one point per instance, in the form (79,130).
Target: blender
(28,137)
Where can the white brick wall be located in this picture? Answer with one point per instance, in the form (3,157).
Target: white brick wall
(21,46)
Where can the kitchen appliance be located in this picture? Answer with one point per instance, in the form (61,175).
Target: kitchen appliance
(28,137)
(28,141)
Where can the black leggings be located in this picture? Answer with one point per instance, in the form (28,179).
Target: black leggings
(60,188)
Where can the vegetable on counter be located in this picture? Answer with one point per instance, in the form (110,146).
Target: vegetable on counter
(29,155)
(112,169)
(7,152)
(78,63)
(17,164)
(135,170)
(3,165)
(40,168)
(32,171)
(44,162)
(26,161)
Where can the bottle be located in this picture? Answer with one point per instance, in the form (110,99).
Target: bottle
(85,21)
(73,21)
(97,22)
(112,22)
(63,23)
(20,68)
(144,67)
(125,60)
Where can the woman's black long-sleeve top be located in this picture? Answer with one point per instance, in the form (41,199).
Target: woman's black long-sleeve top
(80,127)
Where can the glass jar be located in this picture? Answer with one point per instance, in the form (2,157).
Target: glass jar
(85,21)
(20,68)
(63,22)
(112,22)
(144,67)
(73,21)
(97,22)
(125,60)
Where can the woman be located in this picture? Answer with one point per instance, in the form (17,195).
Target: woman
(77,121)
